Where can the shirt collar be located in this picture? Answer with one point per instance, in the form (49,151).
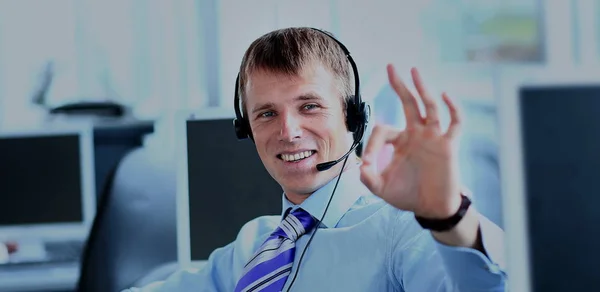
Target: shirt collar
(348,191)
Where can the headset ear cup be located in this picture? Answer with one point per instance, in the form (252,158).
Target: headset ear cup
(357,119)
(357,115)
(364,112)
(351,110)
(240,129)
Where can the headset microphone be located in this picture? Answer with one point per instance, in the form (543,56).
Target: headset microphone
(327,165)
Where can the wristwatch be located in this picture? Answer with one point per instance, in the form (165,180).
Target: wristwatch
(446,224)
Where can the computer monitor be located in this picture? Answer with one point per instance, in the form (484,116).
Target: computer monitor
(46,184)
(550,161)
(222,184)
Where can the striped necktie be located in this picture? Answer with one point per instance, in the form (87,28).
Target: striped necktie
(270,266)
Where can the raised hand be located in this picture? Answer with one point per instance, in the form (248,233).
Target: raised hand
(423,175)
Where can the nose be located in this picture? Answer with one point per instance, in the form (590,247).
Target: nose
(290,128)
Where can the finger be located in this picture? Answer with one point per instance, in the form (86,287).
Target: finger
(400,142)
(371,172)
(455,119)
(431,112)
(409,102)
(381,135)
(371,178)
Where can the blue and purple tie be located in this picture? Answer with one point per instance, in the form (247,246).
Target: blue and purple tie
(270,266)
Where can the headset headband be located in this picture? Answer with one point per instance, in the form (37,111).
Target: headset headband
(357,115)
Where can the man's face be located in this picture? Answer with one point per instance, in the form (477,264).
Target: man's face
(297,123)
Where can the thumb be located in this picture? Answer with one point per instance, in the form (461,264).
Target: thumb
(370,177)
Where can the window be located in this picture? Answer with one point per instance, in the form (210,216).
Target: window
(148,56)
(487,31)
(429,34)
(239,23)
(144,54)
(29,40)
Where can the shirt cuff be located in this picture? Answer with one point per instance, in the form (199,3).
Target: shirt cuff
(469,267)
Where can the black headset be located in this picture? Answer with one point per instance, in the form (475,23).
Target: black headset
(357,112)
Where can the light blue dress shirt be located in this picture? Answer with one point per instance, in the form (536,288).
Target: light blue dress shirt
(363,244)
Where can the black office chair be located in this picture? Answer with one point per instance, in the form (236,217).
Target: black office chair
(135,228)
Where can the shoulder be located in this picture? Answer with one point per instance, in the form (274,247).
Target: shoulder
(253,233)
(259,226)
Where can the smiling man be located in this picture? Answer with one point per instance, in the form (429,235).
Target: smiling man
(355,226)
(297,121)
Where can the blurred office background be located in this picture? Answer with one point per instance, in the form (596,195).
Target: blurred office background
(158,57)
(161,56)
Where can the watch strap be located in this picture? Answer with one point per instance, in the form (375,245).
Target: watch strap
(446,224)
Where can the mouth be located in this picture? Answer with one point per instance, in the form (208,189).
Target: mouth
(296,156)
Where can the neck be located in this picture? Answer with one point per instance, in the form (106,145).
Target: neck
(297,198)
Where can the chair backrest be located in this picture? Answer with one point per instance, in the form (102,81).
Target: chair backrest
(135,229)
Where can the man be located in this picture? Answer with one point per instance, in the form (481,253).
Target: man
(295,85)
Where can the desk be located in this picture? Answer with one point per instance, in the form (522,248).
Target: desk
(55,278)
(164,271)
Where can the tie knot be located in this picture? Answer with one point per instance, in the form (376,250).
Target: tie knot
(295,224)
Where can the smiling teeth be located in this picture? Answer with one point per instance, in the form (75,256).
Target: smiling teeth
(297,156)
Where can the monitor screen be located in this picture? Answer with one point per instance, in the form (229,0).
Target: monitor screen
(561,155)
(41,180)
(227,184)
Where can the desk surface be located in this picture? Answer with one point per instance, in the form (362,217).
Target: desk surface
(40,278)
(43,278)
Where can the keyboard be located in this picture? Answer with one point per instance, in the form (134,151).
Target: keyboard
(64,251)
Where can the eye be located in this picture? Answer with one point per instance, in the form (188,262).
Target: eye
(310,106)
(266,114)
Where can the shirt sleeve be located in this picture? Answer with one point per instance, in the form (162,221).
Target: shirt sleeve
(418,262)
(214,276)
(470,267)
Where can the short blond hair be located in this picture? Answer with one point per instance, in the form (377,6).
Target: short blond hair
(287,51)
